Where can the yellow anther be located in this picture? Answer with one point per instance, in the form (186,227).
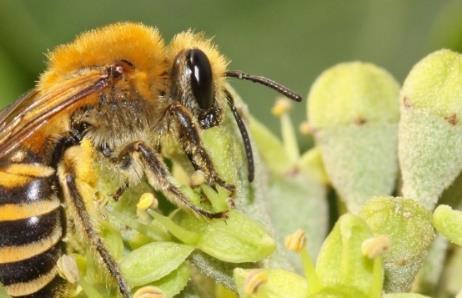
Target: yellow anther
(305,128)
(375,246)
(149,292)
(282,106)
(147,200)
(67,269)
(254,280)
(295,241)
(197,178)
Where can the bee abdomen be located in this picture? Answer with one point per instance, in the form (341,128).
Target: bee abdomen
(30,234)
(29,276)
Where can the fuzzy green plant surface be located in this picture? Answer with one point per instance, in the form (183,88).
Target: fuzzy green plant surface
(430,135)
(353,110)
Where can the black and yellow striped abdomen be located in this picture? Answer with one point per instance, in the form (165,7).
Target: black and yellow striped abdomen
(30,230)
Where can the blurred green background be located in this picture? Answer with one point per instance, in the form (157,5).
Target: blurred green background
(289,41)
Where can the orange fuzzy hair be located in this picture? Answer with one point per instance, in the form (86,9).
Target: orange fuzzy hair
(190,40)
(136,43)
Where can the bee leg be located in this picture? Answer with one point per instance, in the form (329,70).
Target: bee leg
(160,178)
(189,138)
(75,200)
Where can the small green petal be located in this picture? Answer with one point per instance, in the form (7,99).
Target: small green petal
(408,225)
(449,223)
(311,162)
(153,261)
(279,284)
(174,282)
(341,262)
(236,239)
(272,150)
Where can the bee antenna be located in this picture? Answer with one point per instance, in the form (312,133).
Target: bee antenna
(265,82)
(244,135)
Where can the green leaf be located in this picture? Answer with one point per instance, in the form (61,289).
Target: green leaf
(237,239)
(408,225)
(449,223)
(153,261)
(279,284)
(340,261)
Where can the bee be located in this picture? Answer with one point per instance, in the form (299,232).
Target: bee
(121,89)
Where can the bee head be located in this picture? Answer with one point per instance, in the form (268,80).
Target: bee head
(197,77)
(192,84)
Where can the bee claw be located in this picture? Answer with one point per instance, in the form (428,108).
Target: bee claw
(230,187)
(212,215)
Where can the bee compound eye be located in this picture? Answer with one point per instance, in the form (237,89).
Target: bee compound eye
(201,77)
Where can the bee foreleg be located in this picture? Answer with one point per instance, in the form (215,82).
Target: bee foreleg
(189,138)
(159,178)
(75,200)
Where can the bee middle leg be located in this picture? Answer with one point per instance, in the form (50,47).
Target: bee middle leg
(189,138)
(160,179)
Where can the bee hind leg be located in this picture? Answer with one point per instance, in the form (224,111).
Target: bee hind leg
(75,200)
(189,138)
(160,179)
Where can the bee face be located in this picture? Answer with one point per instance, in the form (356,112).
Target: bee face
(193,86)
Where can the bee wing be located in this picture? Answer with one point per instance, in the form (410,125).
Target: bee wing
(29,113)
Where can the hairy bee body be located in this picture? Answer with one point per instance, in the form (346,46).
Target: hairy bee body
(112,96)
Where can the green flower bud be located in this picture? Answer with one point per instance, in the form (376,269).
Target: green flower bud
(353,93)
(430,133)
(408,225)
(353,109)
(153,261)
